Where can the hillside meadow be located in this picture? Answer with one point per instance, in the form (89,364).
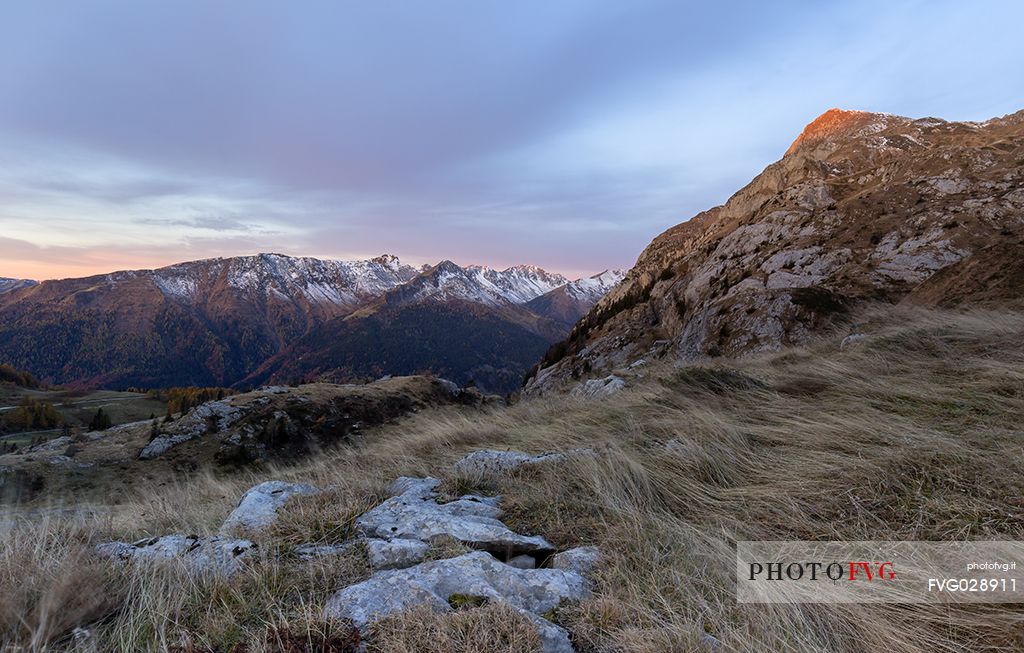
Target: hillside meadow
(913,432)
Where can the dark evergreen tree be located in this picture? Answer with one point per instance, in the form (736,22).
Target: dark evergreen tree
(100,421)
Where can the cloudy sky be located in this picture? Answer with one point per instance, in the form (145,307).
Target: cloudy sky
(565,134)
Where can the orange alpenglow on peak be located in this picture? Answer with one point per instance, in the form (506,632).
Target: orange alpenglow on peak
(829,123)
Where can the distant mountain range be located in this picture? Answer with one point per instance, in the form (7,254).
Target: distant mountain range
(273,318)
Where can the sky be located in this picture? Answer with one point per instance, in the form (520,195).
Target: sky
(562,134)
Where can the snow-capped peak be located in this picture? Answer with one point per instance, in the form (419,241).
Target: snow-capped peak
(518,284)
(343,283)
(593,288)
(348,284)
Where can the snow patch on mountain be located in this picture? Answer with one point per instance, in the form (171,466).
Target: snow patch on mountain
(178,286)
(476,283)
(8,284)
(320,281)
(594,288)
(518,284)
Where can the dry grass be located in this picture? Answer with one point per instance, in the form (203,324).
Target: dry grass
(487,628)
(50,584)
(914,433)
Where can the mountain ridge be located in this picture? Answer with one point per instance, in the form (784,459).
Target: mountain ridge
(217,321)
(8,284)
(862,207)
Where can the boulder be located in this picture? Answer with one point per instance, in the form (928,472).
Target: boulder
(553,638)
(162,443)
(216,554)
(257,510)
(416,514)
(581,560)
(477,574)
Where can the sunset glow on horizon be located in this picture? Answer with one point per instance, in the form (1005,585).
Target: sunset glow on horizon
(563,135)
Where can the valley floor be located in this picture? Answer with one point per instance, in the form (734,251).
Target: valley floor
(913,432)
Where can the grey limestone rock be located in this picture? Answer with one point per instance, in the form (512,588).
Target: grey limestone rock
(479,574)
(257,510)
(416,514)
(581,560)
(216,554)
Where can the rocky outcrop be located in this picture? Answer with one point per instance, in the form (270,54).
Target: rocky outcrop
(478,574)
(521,571)
(282,421)
(258,508)
(416,514)
(217,555)
(862,207)
(505,570)
(221,554)
(213,416)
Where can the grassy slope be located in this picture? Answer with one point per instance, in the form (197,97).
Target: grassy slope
(78,409)
(912,434)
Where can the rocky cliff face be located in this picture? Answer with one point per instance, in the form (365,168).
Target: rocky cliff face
(862,206)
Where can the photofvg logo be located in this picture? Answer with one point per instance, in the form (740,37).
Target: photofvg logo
(879,572)
(835,571)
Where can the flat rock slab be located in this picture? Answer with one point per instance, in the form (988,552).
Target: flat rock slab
(477,574)
(416,514)
(257,510)
(383,554)
(216,554)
